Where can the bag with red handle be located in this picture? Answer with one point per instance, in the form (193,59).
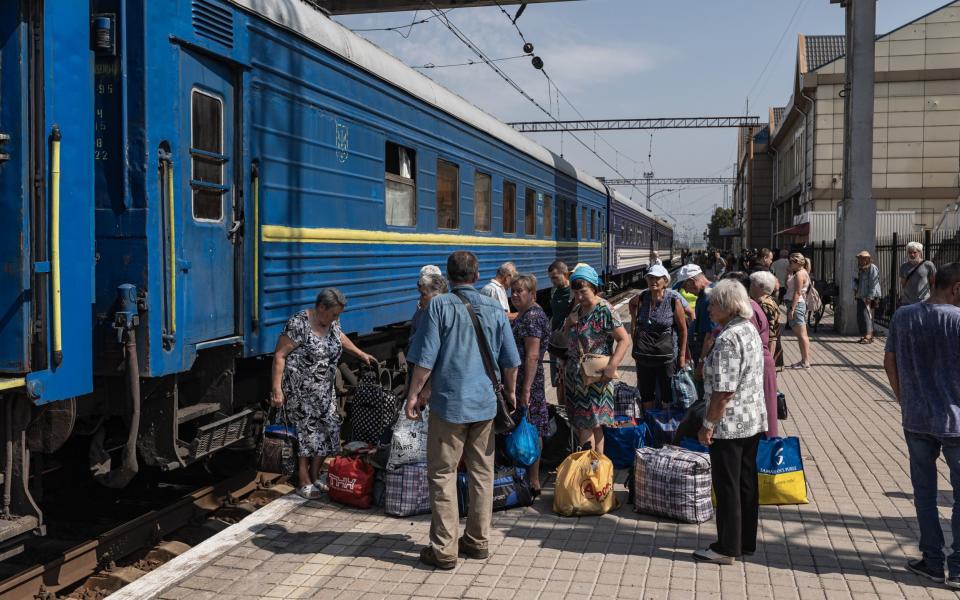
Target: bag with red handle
(351,481)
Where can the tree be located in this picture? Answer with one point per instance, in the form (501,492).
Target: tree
(722,217)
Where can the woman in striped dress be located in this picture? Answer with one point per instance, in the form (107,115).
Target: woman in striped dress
(592,328)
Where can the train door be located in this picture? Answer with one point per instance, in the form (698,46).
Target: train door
(207,192)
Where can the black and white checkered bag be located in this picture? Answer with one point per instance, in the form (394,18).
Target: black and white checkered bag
(626,401)
(407,492)
(673,482)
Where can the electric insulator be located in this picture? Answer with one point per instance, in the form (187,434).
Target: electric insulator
(537,62)
(527,48)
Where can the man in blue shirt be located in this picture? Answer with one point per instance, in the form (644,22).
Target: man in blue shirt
(462,407)
(921,361)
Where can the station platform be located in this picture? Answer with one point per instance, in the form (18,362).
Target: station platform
(851,541)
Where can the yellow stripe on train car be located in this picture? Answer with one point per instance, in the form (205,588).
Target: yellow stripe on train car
(322,235)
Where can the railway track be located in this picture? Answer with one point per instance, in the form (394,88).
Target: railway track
(101,554)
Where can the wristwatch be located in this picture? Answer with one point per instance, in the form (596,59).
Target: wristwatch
(707,424)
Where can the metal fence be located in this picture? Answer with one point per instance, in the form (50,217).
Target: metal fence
(940,248)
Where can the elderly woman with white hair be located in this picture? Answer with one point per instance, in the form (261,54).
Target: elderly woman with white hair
(762,286)
(735,420)
(916,276)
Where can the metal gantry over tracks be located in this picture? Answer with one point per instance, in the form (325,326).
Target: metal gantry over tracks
(672,181)
(658,123)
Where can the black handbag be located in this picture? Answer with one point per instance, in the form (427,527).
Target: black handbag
(652,345)
(278,446)
(373,410)
(503,422)
(781,406)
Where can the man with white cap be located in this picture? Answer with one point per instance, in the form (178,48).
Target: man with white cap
(693,281)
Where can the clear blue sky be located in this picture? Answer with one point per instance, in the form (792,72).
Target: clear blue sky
(634,58)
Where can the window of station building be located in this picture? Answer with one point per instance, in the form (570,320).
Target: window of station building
(530,212)
(207,157)
(400,173)
(547,217)
(509,207)
(482,194)
(448,195)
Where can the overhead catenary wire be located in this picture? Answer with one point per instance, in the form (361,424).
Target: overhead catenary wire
(776,48)
(469,63)
(398,29)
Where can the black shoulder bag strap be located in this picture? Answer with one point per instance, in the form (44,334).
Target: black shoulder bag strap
(503,422)
(907,278)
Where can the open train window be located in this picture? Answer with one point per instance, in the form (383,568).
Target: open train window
(448,195)
(400,201)
(530,212)
(547,217)
(482,192)
(509,207)
(206,152)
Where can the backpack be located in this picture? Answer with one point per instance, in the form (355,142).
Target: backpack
(652,345)
(812,299)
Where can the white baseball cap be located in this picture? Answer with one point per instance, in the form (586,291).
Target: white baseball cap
(688,271)
(657,271)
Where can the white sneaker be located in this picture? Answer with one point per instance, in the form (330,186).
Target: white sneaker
(709,555)
(309,492)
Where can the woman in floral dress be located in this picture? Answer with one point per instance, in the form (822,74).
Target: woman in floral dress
(304,372)
(593,328)
(531,332)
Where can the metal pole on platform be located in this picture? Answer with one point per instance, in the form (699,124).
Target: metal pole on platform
(856,215)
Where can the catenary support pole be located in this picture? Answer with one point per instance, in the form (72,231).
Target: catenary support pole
(856,215)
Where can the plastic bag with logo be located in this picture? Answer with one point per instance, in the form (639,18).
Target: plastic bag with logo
(351,481)
(780,471)
(409,442)
(585,485)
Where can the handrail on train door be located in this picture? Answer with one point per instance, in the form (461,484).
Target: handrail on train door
(169,211)
(55,138)
(255,184)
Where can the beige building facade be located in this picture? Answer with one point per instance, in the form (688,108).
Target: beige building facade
(916,164)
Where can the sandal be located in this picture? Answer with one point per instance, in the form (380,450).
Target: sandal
(799,365)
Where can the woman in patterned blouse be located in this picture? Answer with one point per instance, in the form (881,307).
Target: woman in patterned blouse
(735,420)
(531,331)
(304,373)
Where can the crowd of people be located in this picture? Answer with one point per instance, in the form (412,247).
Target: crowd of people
(722,319)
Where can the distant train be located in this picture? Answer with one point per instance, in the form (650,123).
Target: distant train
(180,177)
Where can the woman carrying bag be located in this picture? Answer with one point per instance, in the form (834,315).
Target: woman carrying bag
(659,337)
(597,344)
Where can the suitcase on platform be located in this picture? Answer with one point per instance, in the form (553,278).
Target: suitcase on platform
(510,489)
(673,482)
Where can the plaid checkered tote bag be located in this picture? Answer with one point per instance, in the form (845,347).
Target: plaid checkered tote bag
(673,482)
(406,491)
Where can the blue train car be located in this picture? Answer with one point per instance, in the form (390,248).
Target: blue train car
(636,233)
(219,163)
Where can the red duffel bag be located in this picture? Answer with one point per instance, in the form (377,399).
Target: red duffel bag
(351,481)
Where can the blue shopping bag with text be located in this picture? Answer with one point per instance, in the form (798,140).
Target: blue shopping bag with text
(780,471)
(620,444)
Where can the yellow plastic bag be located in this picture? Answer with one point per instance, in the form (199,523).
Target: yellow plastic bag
(780,472)
(584,485)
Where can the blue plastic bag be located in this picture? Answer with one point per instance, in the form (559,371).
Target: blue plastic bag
(523,443)
(662,423)
(684,389)
(620,444)
(694,445)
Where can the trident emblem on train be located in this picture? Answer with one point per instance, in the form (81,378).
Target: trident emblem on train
(343,143)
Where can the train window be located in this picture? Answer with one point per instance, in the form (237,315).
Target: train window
(573,221)
(206,150)
(482,192)
(448,195)
(583,222)
(593,224)
(561,218)
(547,217)
(509,207)
(401,187)
(530,212)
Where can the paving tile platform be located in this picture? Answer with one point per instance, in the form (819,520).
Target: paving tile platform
(850,541)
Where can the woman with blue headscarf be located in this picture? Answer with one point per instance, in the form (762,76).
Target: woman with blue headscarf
(595,332)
